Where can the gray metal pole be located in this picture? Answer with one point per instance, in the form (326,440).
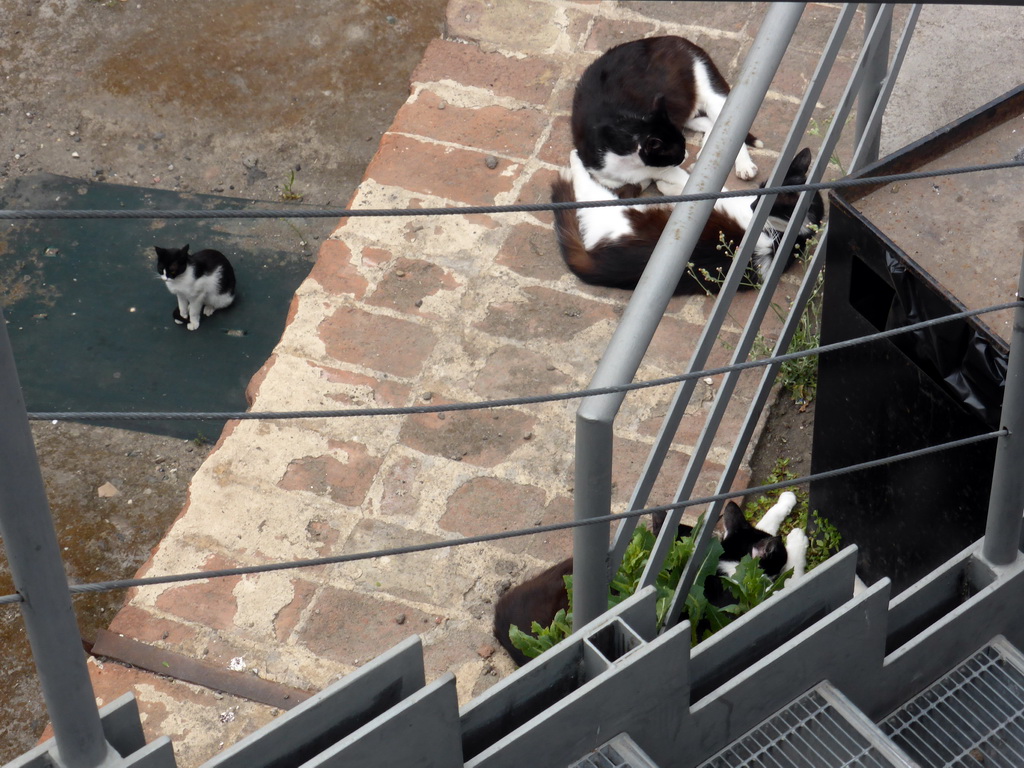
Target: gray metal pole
(1006,500)
(592,497)
(877,69)
(640,320)
(34,556)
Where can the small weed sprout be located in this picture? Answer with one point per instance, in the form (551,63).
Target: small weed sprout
(288,192)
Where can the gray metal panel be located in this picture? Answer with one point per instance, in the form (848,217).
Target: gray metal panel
(423,730)
(157,754)
(820,728)
(997,609)
(519,698)
(845,647)
(618,752)
(122,729)
(334,713)
(644,693)
(972,715)
(768,626)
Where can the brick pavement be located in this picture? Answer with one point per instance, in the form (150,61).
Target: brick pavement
(401,311)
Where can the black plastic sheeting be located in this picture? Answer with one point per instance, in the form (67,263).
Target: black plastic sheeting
(969,366)
(90,320)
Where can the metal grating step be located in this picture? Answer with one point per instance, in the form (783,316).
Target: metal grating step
(618,752)
(973,716)
(821,729)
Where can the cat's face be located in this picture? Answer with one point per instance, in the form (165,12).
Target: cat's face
(171,263)
(772,552)
(785,203)
(651,136)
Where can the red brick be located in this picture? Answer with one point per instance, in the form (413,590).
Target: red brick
(512,371)
(354,629)
(492,128)
(344,482)
(629,460)
(144,626)
(409,281)
(545,314)
(288,617)
(482,438)
(559,145)
(380,392)
(731,17)
(530,79)
(379,342)
(252,389)
(531,251)
(471,513)
(520,26)
(537,189)
(335,272)
(211,603)
(455,174)
(608,33)
(402,486)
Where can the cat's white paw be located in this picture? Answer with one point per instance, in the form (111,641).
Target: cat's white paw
(796,553)
(207,311)
(192,326)
(797,542)
(746,170)
(668,188)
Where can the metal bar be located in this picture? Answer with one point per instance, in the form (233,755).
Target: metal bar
(1006,500)
(643,313)
(592,497)
(34,557)
(811,274)
(873,122)
(871,87)
(743,346)
(671,422)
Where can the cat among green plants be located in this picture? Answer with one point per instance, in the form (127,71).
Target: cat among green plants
(741,570)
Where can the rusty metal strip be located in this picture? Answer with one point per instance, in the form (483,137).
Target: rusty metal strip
(163,662)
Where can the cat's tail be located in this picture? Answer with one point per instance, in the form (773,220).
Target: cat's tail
(613,262)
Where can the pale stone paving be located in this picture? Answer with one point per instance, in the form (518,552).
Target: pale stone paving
(406,311)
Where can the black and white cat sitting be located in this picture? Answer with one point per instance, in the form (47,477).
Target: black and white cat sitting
(611,246)
(631,105)
(203,282)
(540,598)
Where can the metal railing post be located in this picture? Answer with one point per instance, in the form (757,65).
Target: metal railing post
(34,557)
(640,320)
(870,89)
(1006,500)
(592,497)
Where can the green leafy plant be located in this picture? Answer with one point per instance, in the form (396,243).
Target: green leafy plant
(749,585)
(814,128)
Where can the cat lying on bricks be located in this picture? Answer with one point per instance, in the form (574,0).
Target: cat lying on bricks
(611,246)
(748,561)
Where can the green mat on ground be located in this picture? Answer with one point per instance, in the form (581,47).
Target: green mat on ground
(90,320)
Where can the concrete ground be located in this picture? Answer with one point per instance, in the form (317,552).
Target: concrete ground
(416,310)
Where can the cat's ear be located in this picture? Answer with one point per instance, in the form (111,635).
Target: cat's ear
(184,251)
(733,519)
(801,163)
(659,106)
